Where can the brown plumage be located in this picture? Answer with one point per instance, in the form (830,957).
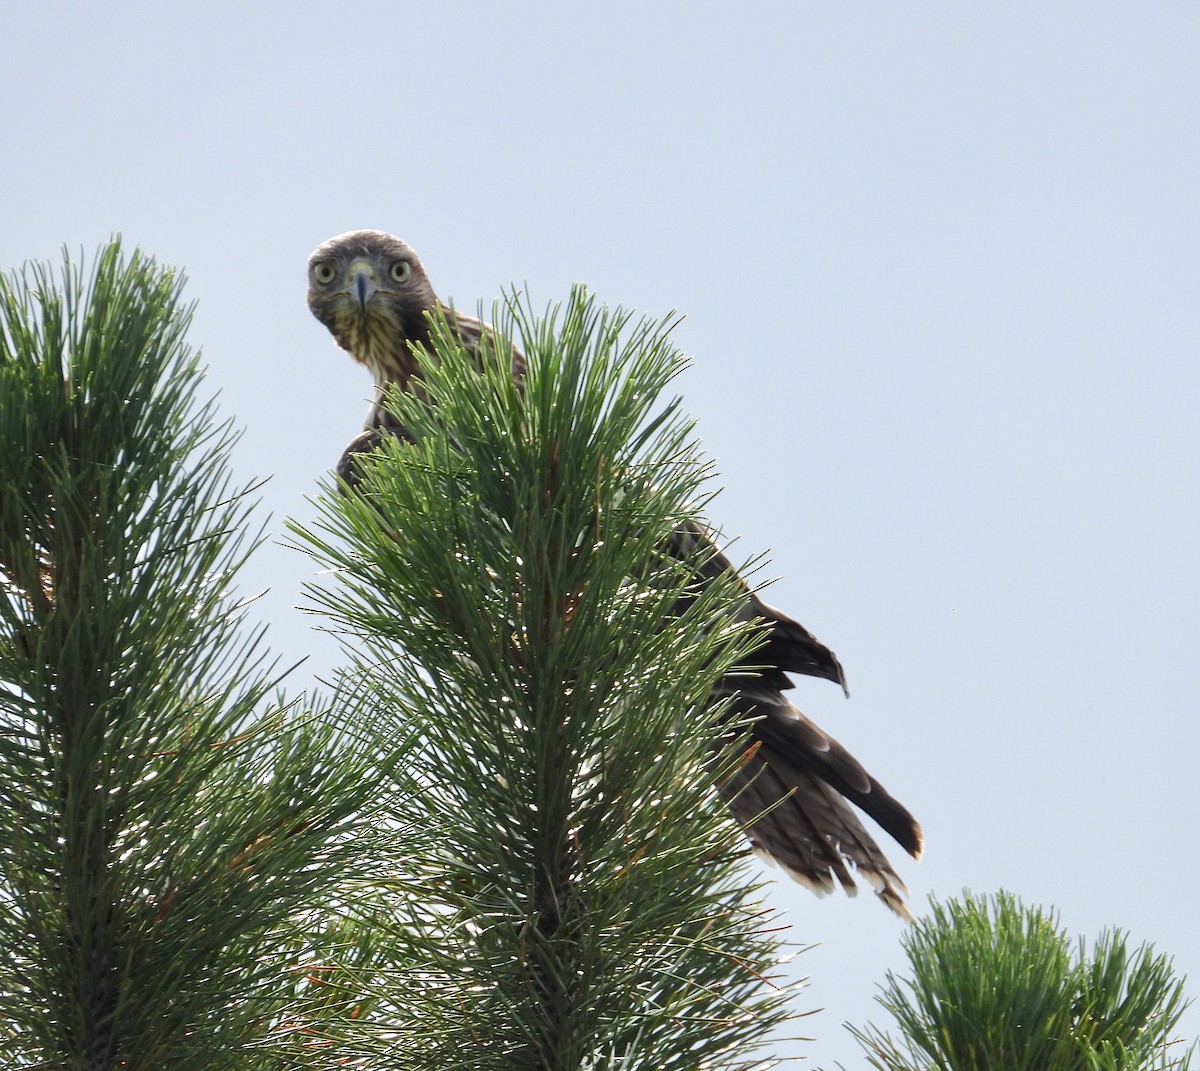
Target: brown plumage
(791,790)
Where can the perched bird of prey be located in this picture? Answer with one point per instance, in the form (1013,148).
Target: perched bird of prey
(794,789)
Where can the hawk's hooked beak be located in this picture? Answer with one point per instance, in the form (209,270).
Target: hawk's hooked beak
(362,275)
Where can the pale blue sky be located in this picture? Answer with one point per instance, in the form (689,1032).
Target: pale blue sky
(941,274)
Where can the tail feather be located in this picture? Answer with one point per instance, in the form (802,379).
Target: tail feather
(788,789)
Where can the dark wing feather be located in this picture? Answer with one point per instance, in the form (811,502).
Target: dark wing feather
(472,331)
(788,646)
(793,781)
(790,791)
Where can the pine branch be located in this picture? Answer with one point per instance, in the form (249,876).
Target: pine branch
(160,813)
(995,984)
(510,605)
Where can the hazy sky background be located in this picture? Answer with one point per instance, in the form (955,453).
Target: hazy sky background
(940,269)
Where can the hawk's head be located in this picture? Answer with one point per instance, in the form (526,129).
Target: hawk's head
(369,289)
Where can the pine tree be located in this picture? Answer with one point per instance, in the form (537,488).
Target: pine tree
(995,984)
(538,671)
(161,814)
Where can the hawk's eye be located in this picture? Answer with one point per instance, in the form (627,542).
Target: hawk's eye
(324,272)
(401,270)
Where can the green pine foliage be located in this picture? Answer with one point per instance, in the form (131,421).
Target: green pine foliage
(538,670)
(161,814)
(996,985)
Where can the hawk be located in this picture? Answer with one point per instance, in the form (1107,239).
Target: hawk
(793,791)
